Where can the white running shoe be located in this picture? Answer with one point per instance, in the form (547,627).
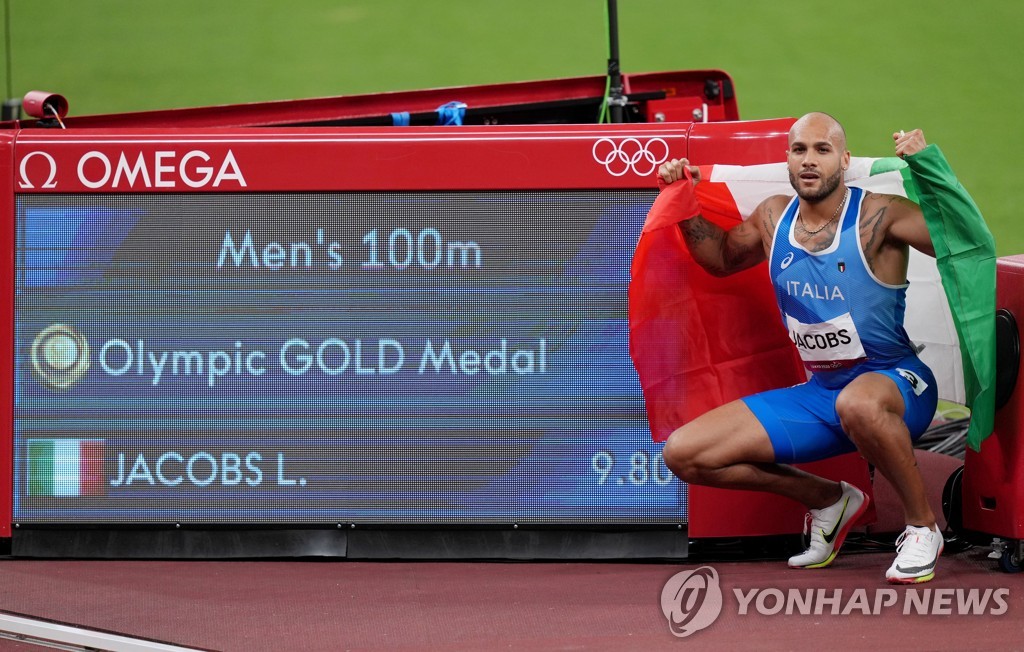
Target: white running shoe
(828,528)
(917,553)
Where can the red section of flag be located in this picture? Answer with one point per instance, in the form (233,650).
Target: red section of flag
(90,467)
(716,201)
(697,341)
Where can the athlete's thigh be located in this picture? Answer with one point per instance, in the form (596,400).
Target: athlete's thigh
(801,422)
(725,435)
(908,390)
(876,388)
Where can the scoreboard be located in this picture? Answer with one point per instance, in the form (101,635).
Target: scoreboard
(301,327)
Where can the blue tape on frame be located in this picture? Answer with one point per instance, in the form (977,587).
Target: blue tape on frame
(451,113)
(400,119)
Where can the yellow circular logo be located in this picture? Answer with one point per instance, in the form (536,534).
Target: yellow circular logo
(60,356)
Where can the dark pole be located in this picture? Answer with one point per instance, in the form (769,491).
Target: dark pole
(616,99)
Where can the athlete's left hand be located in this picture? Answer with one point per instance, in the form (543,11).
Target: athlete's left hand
(909,142)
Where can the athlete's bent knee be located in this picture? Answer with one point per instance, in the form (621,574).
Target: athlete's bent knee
(860,410)
(855,411)
(865,420)
(686,461)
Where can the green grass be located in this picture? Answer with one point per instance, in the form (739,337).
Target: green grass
(952,69)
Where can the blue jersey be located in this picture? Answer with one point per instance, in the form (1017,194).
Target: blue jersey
(842,319)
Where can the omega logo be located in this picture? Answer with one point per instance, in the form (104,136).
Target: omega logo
(142,170)
(50,182)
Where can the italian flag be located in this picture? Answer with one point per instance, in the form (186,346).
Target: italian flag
(698,341)
(65,467)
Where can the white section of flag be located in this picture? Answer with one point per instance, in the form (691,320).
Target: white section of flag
(66,467)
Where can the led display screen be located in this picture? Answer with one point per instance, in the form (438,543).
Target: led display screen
(389,358)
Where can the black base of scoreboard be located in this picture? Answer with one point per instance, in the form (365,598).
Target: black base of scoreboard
(347,542)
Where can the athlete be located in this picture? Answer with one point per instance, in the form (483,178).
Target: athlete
(838,260)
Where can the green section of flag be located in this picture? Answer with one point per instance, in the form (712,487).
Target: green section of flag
(896,164)
(965,254)
(40,467)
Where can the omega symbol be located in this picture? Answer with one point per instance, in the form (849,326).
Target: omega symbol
(51,180)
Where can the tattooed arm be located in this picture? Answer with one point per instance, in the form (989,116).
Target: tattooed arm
(722,252)
(906,222)
(889,225)
(718,251)
(894,221)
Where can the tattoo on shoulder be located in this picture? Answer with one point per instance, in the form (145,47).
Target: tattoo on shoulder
(888,199)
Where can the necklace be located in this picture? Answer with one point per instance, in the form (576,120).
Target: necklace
(831,219)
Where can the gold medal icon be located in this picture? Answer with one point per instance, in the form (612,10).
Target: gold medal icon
(60,356)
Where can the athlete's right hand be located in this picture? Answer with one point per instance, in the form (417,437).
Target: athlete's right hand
(673,170)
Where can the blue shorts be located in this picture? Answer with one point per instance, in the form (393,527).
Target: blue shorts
(802,423)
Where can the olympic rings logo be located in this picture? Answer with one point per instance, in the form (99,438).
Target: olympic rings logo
(630,155)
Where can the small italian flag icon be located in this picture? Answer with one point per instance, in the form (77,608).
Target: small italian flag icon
(65,467)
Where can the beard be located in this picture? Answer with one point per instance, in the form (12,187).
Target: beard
(828,186)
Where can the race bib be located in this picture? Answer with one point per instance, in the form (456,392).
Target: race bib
(829,345)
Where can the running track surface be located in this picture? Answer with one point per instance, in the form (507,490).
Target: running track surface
(348,605)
